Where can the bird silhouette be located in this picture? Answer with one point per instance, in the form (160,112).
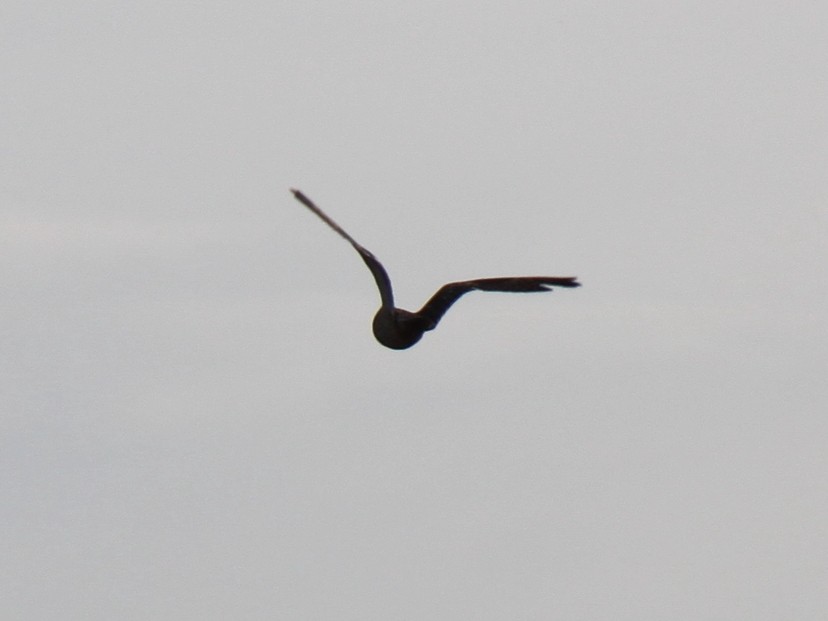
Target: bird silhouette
(397,328)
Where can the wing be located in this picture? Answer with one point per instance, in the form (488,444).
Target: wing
(440,302)
(380,275)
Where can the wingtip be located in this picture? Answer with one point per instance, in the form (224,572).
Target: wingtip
(570,282)
(297,194)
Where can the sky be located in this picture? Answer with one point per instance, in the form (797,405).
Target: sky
(196,420)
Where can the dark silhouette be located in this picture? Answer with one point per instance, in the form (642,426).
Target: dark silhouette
(400,329)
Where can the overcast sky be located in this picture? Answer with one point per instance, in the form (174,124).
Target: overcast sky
(197,423)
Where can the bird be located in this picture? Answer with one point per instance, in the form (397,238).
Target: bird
(397,328)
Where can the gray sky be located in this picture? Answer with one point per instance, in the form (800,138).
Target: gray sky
(196,421)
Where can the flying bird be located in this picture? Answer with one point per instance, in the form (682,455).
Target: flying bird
(397,328)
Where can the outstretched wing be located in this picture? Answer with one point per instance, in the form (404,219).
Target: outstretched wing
(380,275)
(448,294)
